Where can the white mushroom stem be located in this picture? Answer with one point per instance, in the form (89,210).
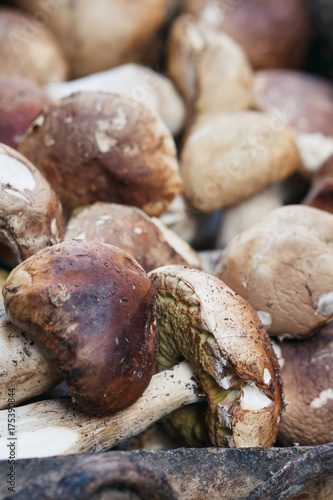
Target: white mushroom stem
(54,427)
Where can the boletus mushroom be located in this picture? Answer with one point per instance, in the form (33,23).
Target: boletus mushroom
(28,49)
(307,372)
(201,319)
(20,102)
(93,305)
(104,147)
(209,68)
(243,152)
(146,238)
(283,266)
(30,212)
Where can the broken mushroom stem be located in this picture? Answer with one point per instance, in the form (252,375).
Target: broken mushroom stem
(55,427)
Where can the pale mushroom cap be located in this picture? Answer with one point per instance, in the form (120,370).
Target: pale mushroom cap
(105,147)
(152,89)
(283,266)
(242,153)
(98,35)
(209,68)
(307,372)
(28,49)
(27,366)
(202,319)
(30,212)
(145,238)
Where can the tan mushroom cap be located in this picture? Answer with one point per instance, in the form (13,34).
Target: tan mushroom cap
(229,157)
(147,239)
(98,35)
(26,364)
(3,276)
(28,49)
(105,147)
(202,319)
(273,34)
(307,372)
(283,266)
(210,69)
(30,212)
(94,307)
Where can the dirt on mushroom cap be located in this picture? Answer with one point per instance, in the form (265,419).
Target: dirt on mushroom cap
(219,333)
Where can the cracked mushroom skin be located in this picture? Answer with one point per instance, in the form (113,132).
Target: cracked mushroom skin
(203,320)
(105,147)
(146,238)
(307,372)
(283,267)
(30,212)
(94,307)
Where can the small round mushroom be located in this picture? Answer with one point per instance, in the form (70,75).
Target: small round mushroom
(146,238)
(210,69)
(104,147)
(103,34)
(28,49)
(307,372)
(273,34)
(283,266)
(20,103)
(30,212)
(238,218)
(138,82)
(243,152)
(305,103)
(203,320)
(26,363)
(94,307)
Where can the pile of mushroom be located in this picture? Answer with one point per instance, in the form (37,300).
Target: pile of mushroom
(122,184)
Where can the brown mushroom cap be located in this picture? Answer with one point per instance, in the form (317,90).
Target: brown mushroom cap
(320,194)
(307,372)
(202,319)
(283,266)
(30,212)
(273,34)
(94,307)
(20,103)
(98,35)
(209,68)
(145,238)
(106,147)
(242,153)
(28,49)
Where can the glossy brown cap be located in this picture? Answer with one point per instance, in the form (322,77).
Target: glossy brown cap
(94,306)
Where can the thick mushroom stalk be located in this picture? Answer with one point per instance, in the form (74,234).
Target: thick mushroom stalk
(203,320)
(94,306)
(56,427)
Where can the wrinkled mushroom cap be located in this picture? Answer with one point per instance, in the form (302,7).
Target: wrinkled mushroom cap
(145,238)
(202,319)
(307,372)
(105,147)
(94,307)
(242,152)
(30,212)
(283,266)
